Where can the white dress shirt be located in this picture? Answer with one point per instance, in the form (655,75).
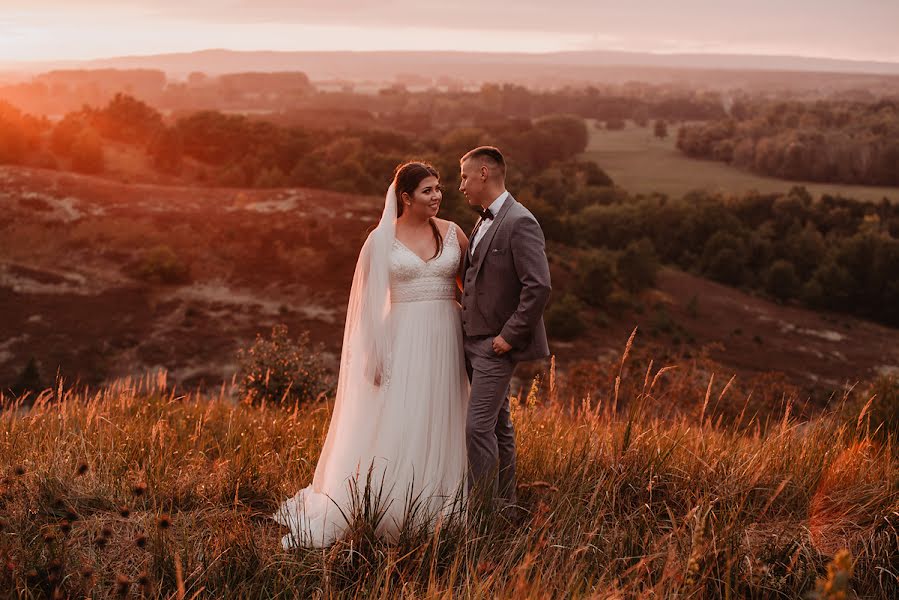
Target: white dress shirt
(486,224)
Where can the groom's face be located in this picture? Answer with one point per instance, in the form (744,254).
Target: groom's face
(473,180)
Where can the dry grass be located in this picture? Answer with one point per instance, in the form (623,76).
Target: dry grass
(136,490)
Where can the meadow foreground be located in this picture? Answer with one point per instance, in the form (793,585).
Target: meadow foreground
(139,490)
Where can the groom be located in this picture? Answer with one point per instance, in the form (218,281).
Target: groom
(505,288)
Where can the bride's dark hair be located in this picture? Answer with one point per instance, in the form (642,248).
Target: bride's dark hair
(407,177)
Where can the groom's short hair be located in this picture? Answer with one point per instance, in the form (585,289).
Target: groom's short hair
(490,155)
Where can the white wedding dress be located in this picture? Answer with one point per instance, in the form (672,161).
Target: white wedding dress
(408,434)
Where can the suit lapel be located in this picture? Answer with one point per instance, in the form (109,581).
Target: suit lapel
(484,245)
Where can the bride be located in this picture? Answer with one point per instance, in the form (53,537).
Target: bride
(398,425)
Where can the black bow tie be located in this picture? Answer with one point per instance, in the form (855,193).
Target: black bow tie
(486,213)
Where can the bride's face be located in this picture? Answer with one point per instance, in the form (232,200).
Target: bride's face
(425,200)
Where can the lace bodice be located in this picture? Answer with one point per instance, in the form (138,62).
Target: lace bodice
(414,280)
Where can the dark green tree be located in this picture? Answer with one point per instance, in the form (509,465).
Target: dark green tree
(596,276)
(638,265)
(781,280)
(563,318)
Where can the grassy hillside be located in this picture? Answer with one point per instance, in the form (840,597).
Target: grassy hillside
(136,489)
(641,163)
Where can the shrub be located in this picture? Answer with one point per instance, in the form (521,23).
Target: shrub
(281,370)
(662,321)
(161,265)
(29,379)
(638,265)
(596,277)
(563,318)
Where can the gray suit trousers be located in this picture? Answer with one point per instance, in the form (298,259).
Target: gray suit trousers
(489,432)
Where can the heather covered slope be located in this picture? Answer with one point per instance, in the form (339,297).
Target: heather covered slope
(100,279)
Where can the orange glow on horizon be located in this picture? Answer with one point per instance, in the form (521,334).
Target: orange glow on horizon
(58,30)
(90,40)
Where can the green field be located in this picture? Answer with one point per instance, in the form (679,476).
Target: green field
(641,163)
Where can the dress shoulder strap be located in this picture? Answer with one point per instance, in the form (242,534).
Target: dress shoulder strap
(451,233)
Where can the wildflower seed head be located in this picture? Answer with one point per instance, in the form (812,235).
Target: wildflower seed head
(141,541)
(164,522)
(83,468)
(140,489)
(124,511)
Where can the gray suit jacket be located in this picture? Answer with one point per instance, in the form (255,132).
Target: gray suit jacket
(506,284)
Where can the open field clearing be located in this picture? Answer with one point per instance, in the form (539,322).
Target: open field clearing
(642,164)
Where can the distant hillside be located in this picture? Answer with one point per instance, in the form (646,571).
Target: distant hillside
(532,69)
(362,62)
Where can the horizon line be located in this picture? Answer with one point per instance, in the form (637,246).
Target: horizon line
(654,53)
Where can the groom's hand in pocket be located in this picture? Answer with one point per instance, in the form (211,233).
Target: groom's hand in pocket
(500,346)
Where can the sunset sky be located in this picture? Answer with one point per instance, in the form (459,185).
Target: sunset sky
(82,29)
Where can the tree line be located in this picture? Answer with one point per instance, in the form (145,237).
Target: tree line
(831,253)
(828,141)
(292,93)
(216,148)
